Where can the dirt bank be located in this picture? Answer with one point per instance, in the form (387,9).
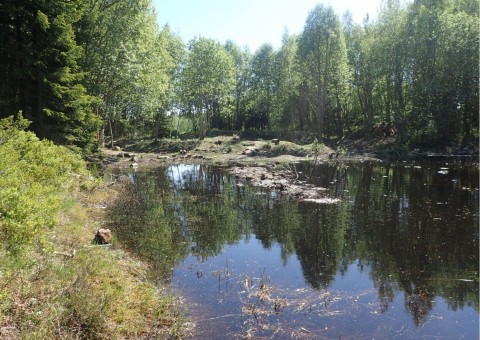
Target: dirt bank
(259,162)
(225,151)
(234,150)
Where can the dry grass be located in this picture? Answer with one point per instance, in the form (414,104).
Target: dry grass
(75,289)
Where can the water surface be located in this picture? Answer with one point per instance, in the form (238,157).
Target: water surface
(397,257)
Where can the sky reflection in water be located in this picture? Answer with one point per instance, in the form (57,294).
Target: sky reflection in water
(397,257)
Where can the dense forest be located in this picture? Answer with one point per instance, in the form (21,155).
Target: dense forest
(86,72)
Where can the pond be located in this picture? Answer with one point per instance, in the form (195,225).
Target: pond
(397,256)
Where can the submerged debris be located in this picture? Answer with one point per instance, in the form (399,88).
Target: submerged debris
(266,307)
(283,182)
(323,200)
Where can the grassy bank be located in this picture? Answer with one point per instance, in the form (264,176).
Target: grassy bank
(54,282)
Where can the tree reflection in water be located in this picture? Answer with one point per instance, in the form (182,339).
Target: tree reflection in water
(413,228)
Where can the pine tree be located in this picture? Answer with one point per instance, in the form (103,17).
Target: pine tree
(40,74)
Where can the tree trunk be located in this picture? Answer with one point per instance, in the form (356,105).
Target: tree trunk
(321,119)
(101,136)
(111,132)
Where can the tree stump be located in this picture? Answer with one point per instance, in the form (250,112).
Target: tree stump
(103,236)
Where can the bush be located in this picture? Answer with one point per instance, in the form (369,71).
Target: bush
(78,291)
(33,176)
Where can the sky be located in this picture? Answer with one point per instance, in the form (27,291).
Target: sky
(249,22)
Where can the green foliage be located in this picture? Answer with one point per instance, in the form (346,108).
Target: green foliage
(34,175)
(323,58)
(207,83)
(130,64)
(410,77)
(287,83)
(242,60)
(41,75)
(80,70)
(94,292)
(415,73)
(181,125)
(316,146)
(260,94)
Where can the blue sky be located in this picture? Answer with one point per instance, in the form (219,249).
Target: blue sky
(249,22)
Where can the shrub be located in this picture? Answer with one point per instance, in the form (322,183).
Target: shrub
(34,174)
(78,291)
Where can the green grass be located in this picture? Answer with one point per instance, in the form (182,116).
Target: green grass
(54,283)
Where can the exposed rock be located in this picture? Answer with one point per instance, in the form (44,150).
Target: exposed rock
(250,152)
(103,236)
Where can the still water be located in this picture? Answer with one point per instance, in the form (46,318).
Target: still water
(396,257)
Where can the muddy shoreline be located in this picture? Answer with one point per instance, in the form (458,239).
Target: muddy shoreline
(260,163)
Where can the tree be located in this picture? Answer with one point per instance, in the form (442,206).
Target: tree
(458,72)
(108,33)
(129,64)
(156,58)
(242,60)
(359,41)
(287,81)
(422,31)
(175,52)
(260,102)
(207,83)
(389,48)
(40,72)
(323,57)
